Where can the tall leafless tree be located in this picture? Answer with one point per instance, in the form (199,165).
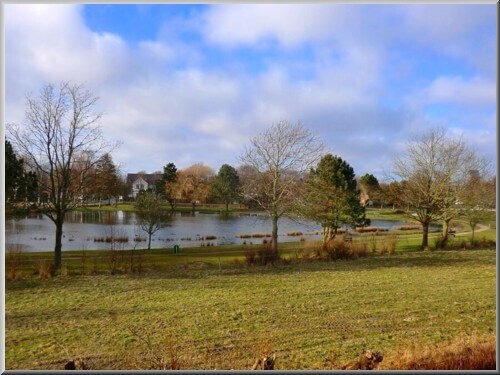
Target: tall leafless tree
(281,157)
(434,168)
(61,140)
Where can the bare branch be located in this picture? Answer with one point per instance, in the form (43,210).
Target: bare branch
(279,157)
(61,141)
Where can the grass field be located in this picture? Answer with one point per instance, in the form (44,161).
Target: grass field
(206,311)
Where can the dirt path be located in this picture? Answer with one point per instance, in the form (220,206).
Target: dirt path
(480,228)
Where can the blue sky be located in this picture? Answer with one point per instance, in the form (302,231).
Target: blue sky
(188,84)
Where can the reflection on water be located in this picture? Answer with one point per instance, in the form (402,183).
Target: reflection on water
(85,230)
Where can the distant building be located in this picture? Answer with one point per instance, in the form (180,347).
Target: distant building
(141,181)
(474,173)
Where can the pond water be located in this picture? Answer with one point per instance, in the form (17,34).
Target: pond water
(86,230)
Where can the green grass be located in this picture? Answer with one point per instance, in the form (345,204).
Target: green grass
(315,315)
(385,214)
(120,207)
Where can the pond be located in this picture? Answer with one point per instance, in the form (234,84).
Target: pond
(89,230)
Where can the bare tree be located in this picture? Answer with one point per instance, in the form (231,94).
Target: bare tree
(281,156)
(151,213)
(434,170)
(61,141)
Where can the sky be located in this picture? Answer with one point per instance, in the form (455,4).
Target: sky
(194,83)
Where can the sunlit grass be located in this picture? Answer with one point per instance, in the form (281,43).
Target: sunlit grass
(313,314)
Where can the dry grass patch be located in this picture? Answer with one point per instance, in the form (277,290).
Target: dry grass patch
(462,353)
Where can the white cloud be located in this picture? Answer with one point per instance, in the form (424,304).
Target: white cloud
(446,29)
(469,92)
(476,92)
(232,25)
(465,32)
(59,45)
(160,101)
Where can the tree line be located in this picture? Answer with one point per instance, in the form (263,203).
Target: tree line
(284,170)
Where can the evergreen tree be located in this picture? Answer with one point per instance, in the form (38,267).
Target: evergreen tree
(105,182)
(370,186)
(167,184)
(332,198)
(13,173)
(226,185)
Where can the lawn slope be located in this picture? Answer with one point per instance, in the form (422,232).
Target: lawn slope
(314,315)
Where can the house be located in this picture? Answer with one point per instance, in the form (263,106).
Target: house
(365,200)
(141,181)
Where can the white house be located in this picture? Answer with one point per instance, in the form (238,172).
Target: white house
(141,181)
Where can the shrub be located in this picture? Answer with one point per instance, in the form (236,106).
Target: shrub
(294,233)
(266,255)
(13,263)
(373,244)
(484,243)
(45,269)
(310,250)
(210,237)
(463,244)
(439,242)
(391,241)
(337,249)
(359,249)
(383,248)
(387,245)
(250,256)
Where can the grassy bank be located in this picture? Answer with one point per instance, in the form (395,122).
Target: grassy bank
(314,315)
(224,256)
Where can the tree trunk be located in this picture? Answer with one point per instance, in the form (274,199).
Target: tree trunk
(425,236)
(446,229)
(472,238)
(275,233)
(149,242)
(58,245)
(194,206)
(328,235)
(227,206)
